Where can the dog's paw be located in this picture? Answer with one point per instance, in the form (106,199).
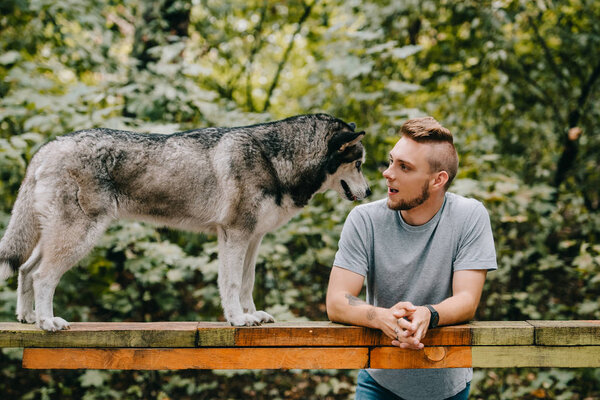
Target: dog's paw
(244,320)
(26,317)
(263,317)
(53,324)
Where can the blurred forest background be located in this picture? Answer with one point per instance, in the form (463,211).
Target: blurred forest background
(516,81)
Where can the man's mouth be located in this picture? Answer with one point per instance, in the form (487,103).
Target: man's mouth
(392,190)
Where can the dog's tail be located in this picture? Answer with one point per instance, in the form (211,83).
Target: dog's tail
(22,232)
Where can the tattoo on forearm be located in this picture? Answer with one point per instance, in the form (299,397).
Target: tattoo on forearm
(371,314)
(355,301)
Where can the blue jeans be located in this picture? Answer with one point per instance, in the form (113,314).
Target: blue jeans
(368,389)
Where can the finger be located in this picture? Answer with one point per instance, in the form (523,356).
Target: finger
(412,345)
(421,332)
(402,313)
(406,325)
(406,305)
(392,332)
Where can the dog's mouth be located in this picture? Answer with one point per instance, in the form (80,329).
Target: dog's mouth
(347,191)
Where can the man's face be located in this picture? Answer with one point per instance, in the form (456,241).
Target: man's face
(408,175)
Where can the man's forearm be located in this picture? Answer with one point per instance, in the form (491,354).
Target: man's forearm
(457,309)
(349,309)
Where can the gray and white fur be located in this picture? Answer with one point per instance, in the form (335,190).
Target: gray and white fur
(239,183)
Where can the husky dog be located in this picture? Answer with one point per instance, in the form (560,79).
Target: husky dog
(239,183)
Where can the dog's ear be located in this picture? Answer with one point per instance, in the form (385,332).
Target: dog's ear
(345,139)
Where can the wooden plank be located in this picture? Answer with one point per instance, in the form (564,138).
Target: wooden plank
(453,335)
(321,333)
(566,333)
(429,357)
(313,358)
(215,334)
(101,334)
(315,333)
(501,333)
(203,358)
(536,356)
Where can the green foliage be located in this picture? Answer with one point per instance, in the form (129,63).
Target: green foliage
(516,82)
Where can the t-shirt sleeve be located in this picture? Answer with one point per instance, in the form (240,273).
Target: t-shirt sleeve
(476,244)
(353,246)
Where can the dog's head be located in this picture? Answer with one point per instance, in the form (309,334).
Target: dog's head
(344,164)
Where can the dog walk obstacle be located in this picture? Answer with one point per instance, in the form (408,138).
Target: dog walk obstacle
(302,345)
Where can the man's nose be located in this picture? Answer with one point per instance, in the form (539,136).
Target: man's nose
(386,173)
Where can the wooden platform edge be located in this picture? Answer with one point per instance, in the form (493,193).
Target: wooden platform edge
(303,345)
(312,357)
(199,358)
(303,334)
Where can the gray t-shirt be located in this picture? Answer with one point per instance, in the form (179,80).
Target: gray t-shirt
(402,262)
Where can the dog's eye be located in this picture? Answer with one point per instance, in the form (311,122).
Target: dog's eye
(358,164)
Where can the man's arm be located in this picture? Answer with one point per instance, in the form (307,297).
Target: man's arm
(343,305)
(467,286)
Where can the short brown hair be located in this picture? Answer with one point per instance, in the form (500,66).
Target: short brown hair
(428,130)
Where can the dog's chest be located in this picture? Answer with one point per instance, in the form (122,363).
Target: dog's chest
(271,216)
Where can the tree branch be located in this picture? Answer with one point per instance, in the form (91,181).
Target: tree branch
(307,9)
(546,50)
(538,91)
(571,147)
(258,43)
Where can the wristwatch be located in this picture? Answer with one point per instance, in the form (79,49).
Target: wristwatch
(435,317)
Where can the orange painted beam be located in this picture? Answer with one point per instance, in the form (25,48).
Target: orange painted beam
(429,357)
(201,358)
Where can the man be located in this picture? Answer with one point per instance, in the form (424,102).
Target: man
(425,254)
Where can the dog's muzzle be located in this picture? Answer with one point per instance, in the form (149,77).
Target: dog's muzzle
(347,192)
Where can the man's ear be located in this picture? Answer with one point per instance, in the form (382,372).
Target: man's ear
(441,179)
(345,139)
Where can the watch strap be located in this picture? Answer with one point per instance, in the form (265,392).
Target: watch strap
(435,317)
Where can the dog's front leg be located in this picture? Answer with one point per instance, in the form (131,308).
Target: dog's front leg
(248,281)
(233,245)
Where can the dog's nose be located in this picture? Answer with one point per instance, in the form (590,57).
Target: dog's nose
(368,192)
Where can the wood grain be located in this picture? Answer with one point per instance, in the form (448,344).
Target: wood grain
(203,358)
(566,333)
(101,334)
(429,357)
(536,356)
(320,344)
(501,333)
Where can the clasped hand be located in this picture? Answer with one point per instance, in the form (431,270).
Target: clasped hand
(405,324)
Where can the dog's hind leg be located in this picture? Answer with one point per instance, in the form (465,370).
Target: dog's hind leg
(63,245)
(25,312)
(246,299)
(233,246)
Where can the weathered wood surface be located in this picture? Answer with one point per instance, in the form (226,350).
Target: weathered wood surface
(221,334)
(536,356)
(566,333)
(312,357)
(199,358)
(216,345)
(101,334)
